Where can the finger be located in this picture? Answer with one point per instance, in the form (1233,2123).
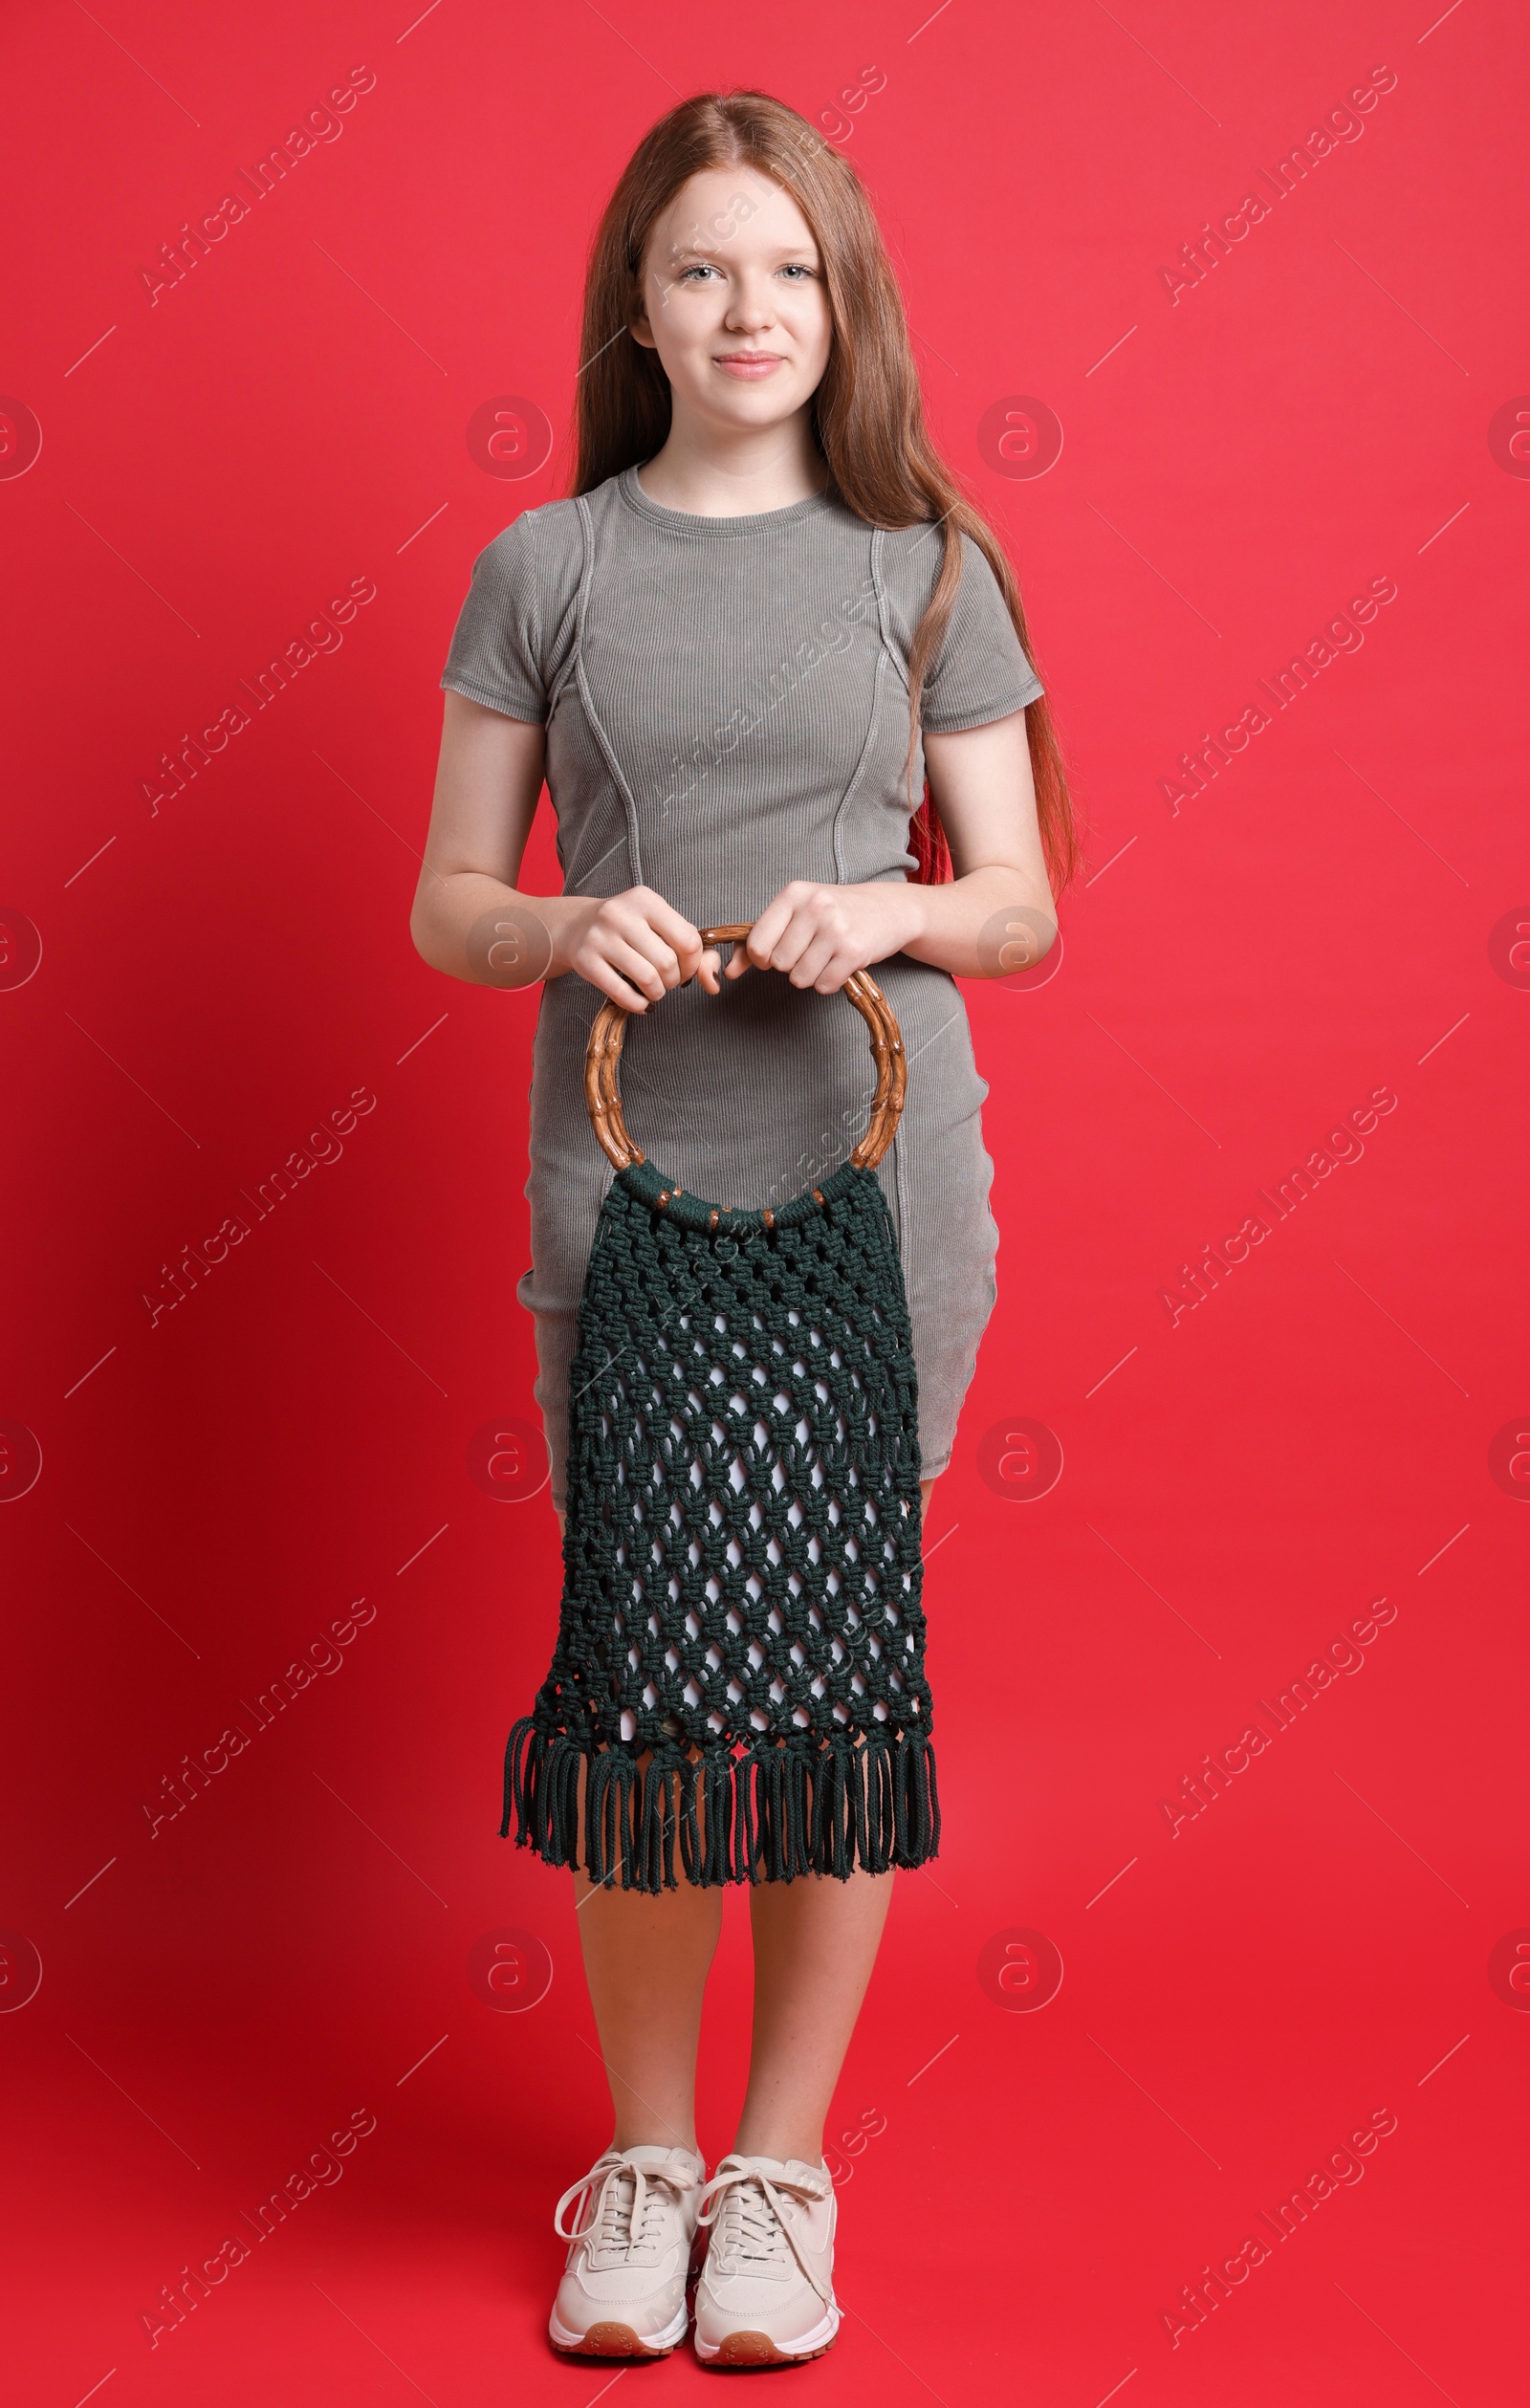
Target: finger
(841,968)
(793,942)
(626,930)
(707,970)
(814,960)
(630,962)
(601,975)
(766,932)
(738,962)
(687,953)
(680,933)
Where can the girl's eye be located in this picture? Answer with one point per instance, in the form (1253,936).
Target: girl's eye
(794,268)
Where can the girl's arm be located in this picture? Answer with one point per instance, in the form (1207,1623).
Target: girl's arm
(997,914)
(471,921)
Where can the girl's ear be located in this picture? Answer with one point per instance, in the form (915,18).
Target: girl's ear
(639,325)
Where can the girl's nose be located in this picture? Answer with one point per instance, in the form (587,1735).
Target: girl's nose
(751,306)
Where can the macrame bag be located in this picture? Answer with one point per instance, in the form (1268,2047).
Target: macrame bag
(742,1569)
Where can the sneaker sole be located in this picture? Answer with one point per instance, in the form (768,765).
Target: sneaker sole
(758,2349)
(611,2341)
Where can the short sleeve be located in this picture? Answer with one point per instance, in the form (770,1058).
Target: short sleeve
(495,655)
(982,673)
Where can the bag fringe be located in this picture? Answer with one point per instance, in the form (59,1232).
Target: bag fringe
(772,1811)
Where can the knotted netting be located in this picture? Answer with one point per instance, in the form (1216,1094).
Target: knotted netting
(740,1674)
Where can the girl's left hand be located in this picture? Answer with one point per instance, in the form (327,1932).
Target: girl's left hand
(820,934)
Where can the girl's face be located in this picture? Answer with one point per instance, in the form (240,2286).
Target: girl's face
(735,301)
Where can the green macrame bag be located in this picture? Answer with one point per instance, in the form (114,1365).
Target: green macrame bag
(742,1552)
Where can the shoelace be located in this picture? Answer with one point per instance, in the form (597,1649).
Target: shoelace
(627,2205)
(748,2209)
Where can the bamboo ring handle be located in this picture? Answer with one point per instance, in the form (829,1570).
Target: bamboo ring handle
(609,1028)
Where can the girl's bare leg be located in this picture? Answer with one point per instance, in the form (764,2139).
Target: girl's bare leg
(815,1945)
(647,1961)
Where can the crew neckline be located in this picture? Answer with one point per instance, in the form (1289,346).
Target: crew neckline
(695,522)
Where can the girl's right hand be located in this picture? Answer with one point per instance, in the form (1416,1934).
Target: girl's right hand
(633,946)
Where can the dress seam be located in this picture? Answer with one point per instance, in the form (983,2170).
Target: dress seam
(530,517)
(884,608)
(859,771)
(629,806)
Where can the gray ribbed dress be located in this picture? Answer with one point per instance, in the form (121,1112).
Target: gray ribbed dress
(727,708)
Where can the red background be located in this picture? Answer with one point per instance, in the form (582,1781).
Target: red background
(1023,2193)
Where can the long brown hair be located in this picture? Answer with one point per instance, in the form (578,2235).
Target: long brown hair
(868,413)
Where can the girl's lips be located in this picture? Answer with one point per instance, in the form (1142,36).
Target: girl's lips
(751,365)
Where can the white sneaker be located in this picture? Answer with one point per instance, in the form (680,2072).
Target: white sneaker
(766,2293)
(623,2294)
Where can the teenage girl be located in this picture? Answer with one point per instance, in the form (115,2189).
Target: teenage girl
(764,617)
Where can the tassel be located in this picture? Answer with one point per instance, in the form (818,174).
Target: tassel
(656,1818)
(799,1783)
(914,1839)
(692,1781)
(898,1769)
(744,1835)
(748,1800)
(678,1789)
(608,1838)
(835,1850)
(774,1771)
(820,1822)
(568,1759)
(647,1794)
(625,1782)
(644,1835)
(514,1781)
(910,1815)
(549,1821)
(927,1830)
(595,1855)
(723,1824)
(882,1815)
(777,1808)
(856,1783)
